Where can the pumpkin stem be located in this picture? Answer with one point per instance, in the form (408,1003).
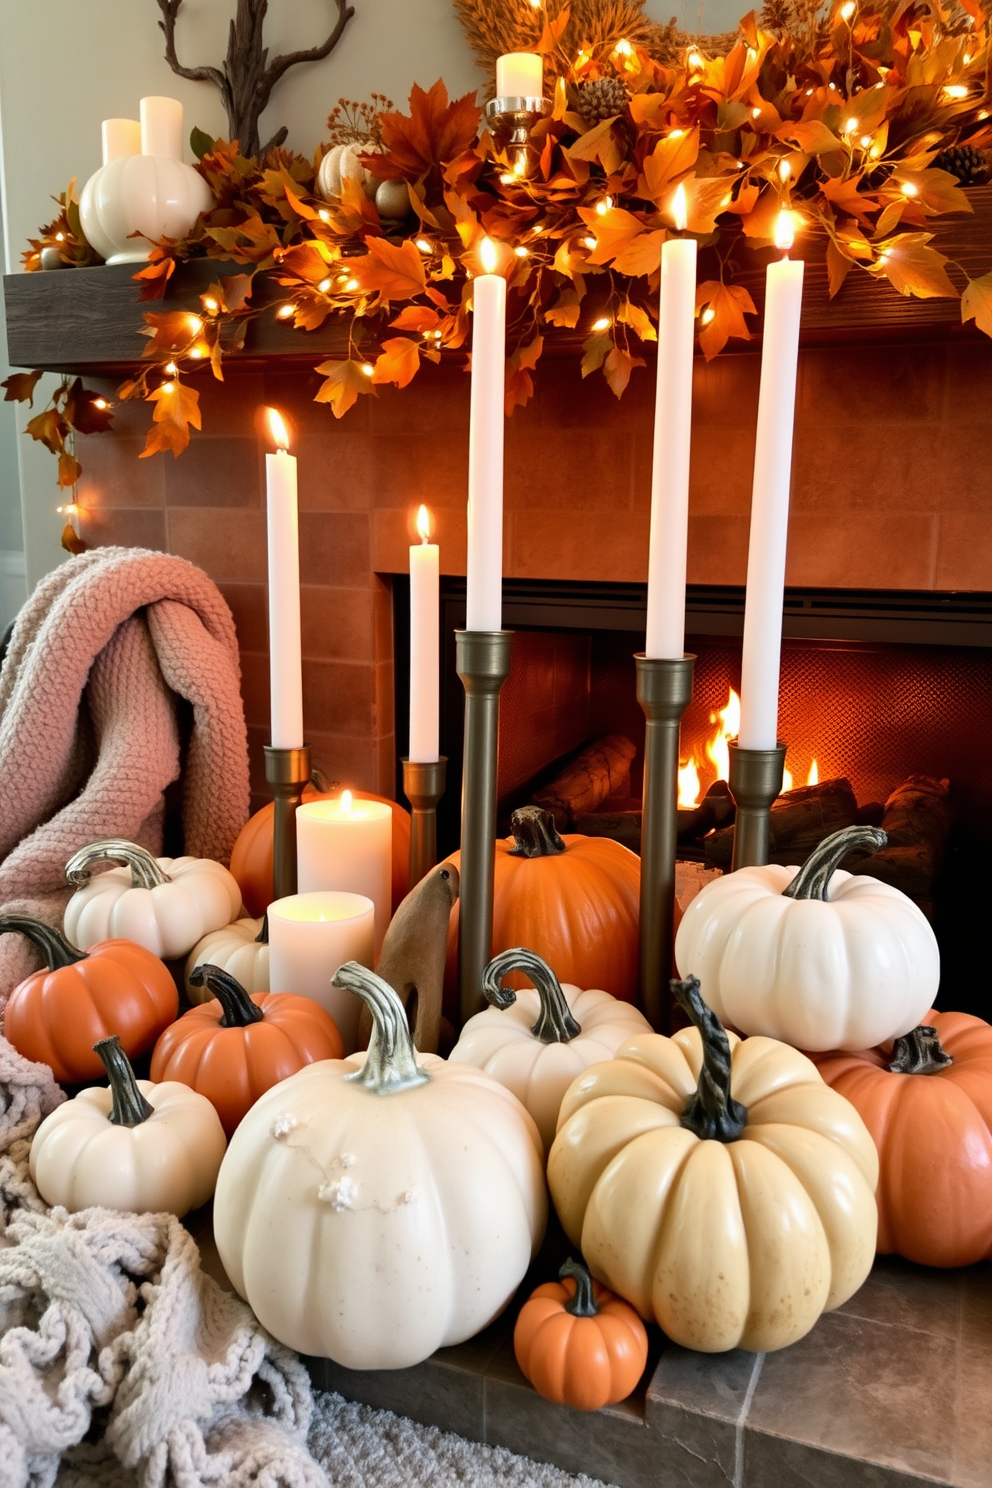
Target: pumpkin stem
(712,1113)
(813,879)
(556,1025)
(262,938)
(535,833)
(583,1303)
(239,1010)
(130,1107)
(145,872)
(391,1063)
(919,1053)
(54,947)
(320,782)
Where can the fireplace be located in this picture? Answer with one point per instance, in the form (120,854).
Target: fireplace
(876,687)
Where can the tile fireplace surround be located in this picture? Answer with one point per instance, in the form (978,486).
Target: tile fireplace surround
(891,491)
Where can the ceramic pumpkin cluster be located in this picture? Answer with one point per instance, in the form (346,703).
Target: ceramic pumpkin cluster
(573,900)
(717,1184)
(241,949)
(55,1016)
(374,1209)
(163,904)
(537,1040)
(251,859)
(133,1145)
(235,1047)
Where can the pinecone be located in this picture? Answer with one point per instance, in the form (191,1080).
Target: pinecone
(602,99)
(972,167)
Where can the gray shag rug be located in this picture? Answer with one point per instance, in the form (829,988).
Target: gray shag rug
(363,1448)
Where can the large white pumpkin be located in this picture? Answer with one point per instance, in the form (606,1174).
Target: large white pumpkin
(537,1040)
(165,904)
(374,1209)
(817,957)
(133,1145)
(241,949)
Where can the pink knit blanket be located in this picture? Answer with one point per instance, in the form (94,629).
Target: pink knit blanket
(89,737)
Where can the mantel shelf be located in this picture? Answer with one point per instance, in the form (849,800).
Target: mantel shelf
(91,320)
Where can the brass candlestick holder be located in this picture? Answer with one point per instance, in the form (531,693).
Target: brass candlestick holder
(755,783)
(287,771)
(664,691)
(483,664)
(510,122)
(424,787)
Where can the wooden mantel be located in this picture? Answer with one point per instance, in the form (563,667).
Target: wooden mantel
(82,319)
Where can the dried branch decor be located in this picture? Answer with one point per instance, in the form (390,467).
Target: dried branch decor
(246,80)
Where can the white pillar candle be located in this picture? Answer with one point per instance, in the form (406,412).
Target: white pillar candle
(162,127)
(285,646)
(121,137)
(665,630)
(520,75)
(484,585)
(770,498)
(348,844)
(425,655)
(310,936)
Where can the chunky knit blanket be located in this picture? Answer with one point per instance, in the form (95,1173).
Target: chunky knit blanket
(89,734)
(116,1349)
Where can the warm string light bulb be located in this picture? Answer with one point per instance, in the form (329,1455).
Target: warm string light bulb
(278,432)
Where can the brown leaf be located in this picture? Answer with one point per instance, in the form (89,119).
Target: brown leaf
(913,268)
(614,231)
(176,407)
(417,318)
(598,143)
(69,470)
(838,266)
(86,411)
(19,387)
(343,382)
(433,133)
(156,275)
(566,309)
(729,302)
(170,332)
(398,362)
(617,369)
(50,429)
(671,159)
(71,540)
(249,241)
(395,272)
(595,350)
(642,256)
(519,384)
(307,261)
(846,196)
(812,137)
(976,303)
(638,319)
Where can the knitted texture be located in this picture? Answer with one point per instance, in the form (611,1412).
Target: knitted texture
(89,737)
(107,1321)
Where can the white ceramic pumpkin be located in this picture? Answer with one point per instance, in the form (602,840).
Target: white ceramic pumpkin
(165,904)
(820,958)
(537,1040)
(343,163)
(376,1208)
(150,195)
(241,949)
(132,1145)
(717,1184)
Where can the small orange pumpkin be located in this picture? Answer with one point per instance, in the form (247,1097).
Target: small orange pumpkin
(251,860)
(235,1047)
(578,1344)
(55,1016)
(928,1106)
(572,900)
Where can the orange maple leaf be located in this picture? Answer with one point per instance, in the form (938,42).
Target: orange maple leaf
(343,382)
(434,132)
(729,303)
(399,361)
(394,271)
(176,407)
(170,331)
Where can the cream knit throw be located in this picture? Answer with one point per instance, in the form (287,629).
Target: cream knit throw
(89,737)
(108,1325)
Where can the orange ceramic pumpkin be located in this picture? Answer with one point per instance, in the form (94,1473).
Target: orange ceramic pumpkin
(251,860)
(572,900)
(56,1016)
(928,1106)
(235,1048)
(578,1344)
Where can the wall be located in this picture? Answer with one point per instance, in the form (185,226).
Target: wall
(12,588)
(64,66)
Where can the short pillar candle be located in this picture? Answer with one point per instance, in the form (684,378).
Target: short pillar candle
(310,936)
(347,844)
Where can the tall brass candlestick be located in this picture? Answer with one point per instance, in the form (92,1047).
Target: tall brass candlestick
(423,784)
(664,691)
(755,783)
(287,771)
(483,664)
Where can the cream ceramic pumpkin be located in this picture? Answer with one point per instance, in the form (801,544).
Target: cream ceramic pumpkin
(343,163)
(376,1208)
(134,1146)
(820,958)
(164,904)
(151,196)
(241,949)
(717,1184)
(537,1040)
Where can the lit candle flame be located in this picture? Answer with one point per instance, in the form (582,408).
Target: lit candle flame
(488,256)
(785,231)
(680,211)
(278,432)
(424,524)
(346,803)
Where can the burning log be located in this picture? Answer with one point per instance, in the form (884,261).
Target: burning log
(917,820)
(600,771)
(715,810)
(800,819)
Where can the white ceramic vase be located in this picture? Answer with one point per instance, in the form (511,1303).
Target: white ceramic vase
(152,193)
